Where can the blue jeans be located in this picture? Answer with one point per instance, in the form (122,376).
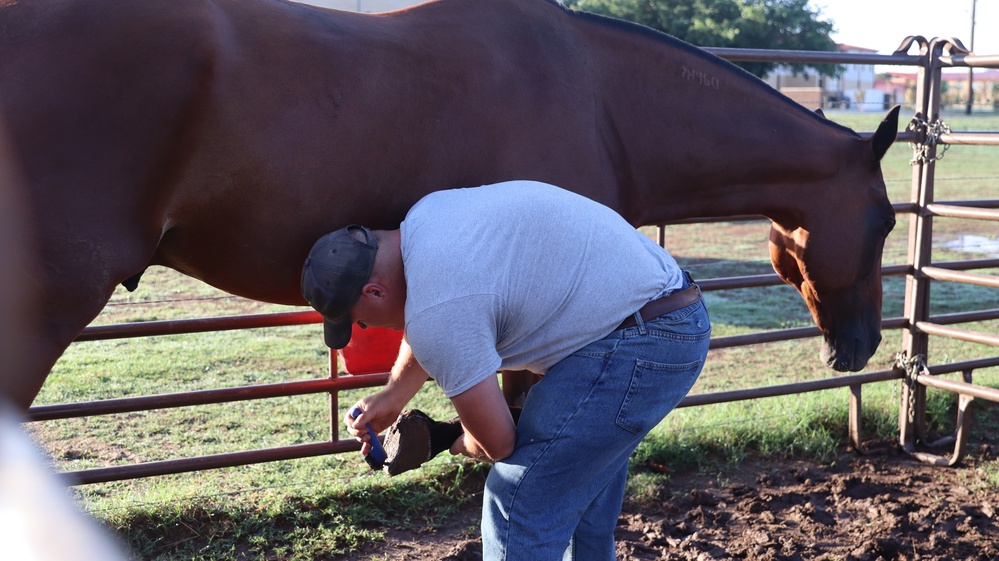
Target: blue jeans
(559,495)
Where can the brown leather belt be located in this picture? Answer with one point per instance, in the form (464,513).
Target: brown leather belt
(665,305)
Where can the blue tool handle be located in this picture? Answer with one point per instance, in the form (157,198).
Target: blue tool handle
(377,452)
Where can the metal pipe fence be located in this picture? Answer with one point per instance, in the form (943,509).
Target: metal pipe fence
(916,323)
(931,132)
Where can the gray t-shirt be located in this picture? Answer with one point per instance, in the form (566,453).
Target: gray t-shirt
(518,276)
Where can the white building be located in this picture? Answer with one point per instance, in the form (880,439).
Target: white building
(855,88)
(857,83)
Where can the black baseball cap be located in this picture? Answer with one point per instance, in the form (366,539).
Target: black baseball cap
(338,267)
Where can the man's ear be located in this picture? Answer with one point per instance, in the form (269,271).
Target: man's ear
(373,290)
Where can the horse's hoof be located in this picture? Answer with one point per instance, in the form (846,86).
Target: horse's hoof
(415,438)
(407,442)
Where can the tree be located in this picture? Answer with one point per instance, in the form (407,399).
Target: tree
(747,24)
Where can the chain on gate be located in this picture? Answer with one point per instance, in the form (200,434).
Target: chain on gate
(933,131)
(913,367)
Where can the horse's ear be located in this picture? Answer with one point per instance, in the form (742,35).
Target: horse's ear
(886,133)
(820,113)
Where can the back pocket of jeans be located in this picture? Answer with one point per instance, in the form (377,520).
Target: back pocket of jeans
(654,391)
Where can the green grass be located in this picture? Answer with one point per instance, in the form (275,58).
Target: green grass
(319,518)
(329,506)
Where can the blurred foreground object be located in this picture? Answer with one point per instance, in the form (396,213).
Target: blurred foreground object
(38,520)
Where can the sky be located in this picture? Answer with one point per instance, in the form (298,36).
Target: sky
(883,24)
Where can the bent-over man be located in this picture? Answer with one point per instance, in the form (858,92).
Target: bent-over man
(523,276)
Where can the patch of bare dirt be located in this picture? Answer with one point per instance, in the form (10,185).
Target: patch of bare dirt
(884,506)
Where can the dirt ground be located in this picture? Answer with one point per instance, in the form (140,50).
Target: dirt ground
(879,506)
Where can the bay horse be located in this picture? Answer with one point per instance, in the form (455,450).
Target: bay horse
(223,137)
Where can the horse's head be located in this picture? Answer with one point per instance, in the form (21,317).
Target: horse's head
(832,254)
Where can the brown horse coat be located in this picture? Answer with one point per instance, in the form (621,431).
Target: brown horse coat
(223,137)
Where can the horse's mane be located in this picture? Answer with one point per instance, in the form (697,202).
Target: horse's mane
(673,42)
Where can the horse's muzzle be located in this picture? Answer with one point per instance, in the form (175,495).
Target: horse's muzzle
(850,355)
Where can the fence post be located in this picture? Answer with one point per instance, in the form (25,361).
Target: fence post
(917,286)
(928,127)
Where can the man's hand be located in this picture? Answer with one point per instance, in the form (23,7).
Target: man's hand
(378,410)
(459,448)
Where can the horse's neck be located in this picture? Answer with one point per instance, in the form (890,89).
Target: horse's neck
(701,138)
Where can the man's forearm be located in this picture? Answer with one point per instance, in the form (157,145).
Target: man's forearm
(407,376)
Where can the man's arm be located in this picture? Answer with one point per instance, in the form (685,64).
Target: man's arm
(381,409)
(489,430)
